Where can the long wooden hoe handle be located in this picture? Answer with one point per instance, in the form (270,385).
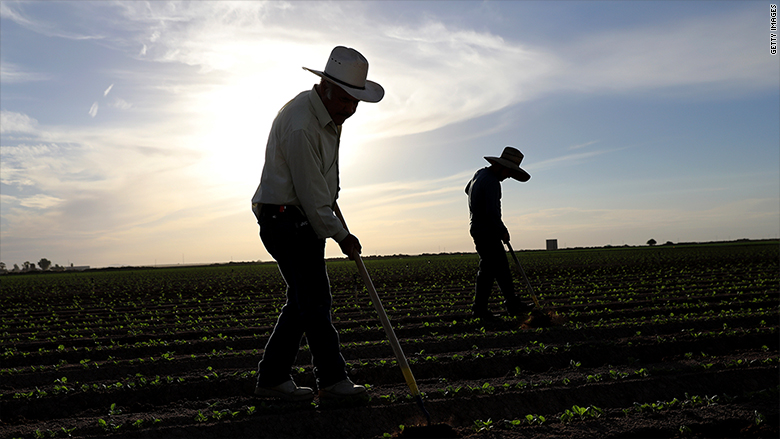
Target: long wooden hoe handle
(527,282)
(399,353)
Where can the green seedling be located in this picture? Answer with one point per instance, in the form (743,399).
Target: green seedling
(480,425)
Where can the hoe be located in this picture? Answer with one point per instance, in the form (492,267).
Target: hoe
(538,317)
(438,430)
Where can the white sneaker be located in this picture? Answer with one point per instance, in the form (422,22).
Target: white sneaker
(287,391)
(342,389)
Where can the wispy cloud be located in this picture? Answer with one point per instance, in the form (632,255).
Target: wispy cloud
(435,73)
(15,11)
(40,201)
(401,193)
(583,145)
(415,63)
(571,159)
(121,104)
(65,185)
(11,73)
(93,109)
(108,90)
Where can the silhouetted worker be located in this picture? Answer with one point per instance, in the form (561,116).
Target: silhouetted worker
(295,205)
(488,231)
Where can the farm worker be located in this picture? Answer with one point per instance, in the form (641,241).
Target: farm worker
(295,205)
(488,231)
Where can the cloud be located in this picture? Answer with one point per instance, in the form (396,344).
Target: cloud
(272,40)
(82,188)
(40,167)
(214,74)
(570,159)
(15,11)
(720,51)
(420,212)
(15,14)
(12,122)
(583,145)
(40,201)
(121,104)
(436,73)
(11,73)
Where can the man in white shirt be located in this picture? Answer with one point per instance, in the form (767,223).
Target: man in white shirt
(295,205)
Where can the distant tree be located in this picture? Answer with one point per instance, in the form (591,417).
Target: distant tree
(44,264)
(2,266)
(26,266)
(16,268)
(651,242)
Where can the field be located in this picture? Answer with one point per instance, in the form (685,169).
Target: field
(665,341)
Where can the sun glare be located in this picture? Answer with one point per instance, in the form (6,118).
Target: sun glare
(235,119)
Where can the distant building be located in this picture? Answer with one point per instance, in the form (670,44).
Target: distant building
(552,244)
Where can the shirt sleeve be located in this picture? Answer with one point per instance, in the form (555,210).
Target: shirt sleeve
(311,188)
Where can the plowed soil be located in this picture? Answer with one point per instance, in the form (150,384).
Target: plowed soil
(663,342)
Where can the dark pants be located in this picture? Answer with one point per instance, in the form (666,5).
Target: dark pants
(493,267)
(300,255)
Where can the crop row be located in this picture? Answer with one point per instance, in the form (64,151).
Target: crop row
(167,352)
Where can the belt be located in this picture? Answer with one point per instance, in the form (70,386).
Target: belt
(275,211)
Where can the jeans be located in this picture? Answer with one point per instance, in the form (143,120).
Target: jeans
(300,255)
(493,267)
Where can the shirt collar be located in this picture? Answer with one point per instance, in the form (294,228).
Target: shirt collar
(319,109)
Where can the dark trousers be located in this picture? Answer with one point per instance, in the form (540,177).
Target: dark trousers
(493,267)
(300,255)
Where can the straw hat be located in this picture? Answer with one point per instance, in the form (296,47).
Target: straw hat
(348,69)
(511,158)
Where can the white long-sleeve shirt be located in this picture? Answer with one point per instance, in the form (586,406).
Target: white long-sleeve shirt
(302,164)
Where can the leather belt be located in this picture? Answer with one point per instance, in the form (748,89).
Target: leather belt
(275,211)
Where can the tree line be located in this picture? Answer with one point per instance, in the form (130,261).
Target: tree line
(43,265)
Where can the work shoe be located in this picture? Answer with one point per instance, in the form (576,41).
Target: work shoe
(287,391)
(342,389)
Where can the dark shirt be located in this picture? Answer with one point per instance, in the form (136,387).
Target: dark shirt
(484,192)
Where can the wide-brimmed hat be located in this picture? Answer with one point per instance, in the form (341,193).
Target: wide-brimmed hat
(348,69)
(511,158)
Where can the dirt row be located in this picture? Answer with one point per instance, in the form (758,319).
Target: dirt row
(532,372)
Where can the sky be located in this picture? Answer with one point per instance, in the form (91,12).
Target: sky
(133,133)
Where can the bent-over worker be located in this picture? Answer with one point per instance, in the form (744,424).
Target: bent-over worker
(488,231)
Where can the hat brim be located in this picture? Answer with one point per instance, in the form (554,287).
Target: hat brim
(373,92)
(517,172)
